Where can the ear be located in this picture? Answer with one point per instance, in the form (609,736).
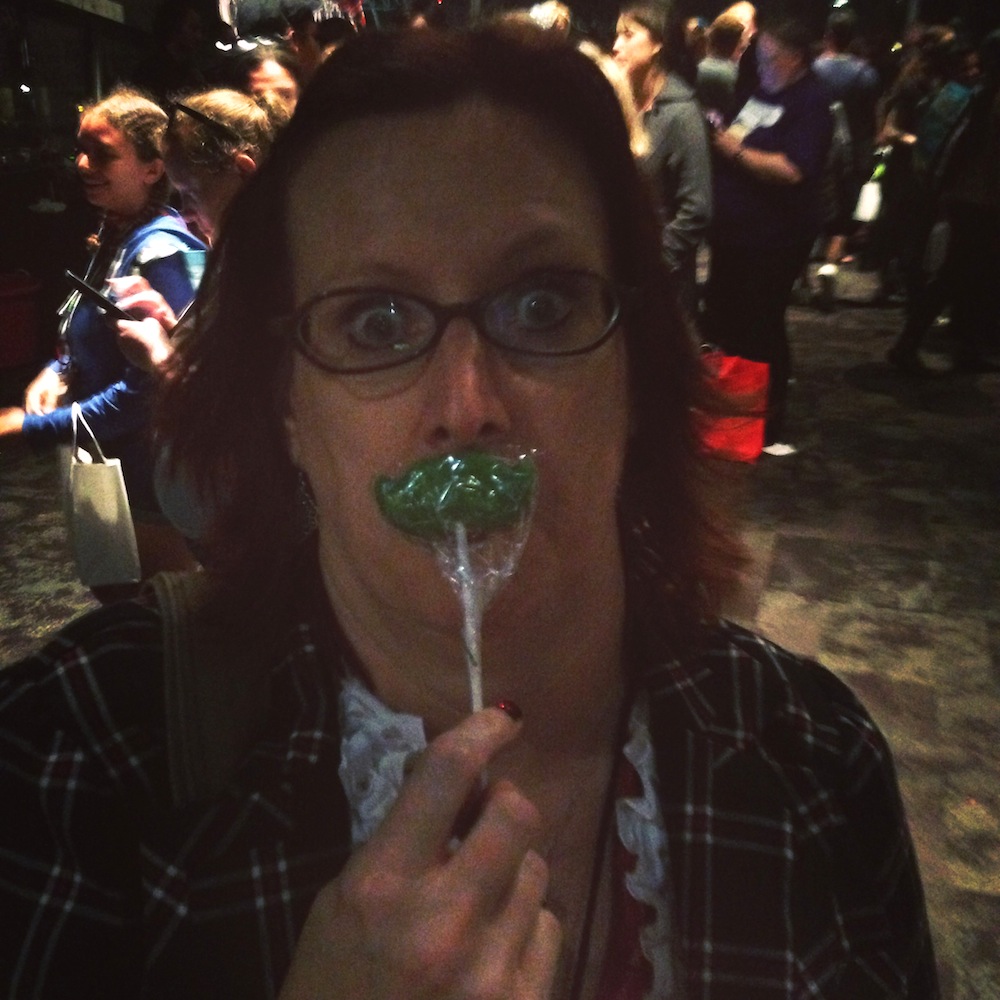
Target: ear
(153,171)
(245,165)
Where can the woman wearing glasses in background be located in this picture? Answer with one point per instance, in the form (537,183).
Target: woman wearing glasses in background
(449,252)
(120,163)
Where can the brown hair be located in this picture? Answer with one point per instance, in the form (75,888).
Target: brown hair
(222,413)
(725,34)
(143,122)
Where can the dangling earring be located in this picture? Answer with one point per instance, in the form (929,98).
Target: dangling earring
(306,504)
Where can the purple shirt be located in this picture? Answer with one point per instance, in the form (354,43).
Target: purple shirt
(751,212)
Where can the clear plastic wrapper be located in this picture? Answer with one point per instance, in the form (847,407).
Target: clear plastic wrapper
(473,508)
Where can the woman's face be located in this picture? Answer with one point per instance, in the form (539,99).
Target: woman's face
(270,77)
(114,178)
(205,194)
(450,205)
(777,64)
(634,50)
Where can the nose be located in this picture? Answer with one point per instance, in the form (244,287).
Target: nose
(465,384)
(82,162)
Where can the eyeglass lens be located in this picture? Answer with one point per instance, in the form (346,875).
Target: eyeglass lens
(554,314)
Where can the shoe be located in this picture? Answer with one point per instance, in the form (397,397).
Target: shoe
(826,296)
(780,449)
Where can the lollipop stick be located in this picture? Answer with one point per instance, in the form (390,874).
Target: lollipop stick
(473,618)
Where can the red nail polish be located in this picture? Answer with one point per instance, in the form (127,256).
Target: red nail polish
(511,708)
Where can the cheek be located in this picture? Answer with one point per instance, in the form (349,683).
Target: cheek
(336,443)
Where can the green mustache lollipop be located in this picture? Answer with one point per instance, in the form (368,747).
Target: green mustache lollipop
(473,509)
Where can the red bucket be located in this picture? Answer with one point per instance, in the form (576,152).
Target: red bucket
(19,319)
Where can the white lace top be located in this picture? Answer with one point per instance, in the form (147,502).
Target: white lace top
(377,741)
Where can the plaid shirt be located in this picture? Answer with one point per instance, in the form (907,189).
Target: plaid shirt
(792,872)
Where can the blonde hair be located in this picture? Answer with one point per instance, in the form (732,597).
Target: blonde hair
(245,124)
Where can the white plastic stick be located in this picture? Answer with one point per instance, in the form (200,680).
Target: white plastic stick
(472,612)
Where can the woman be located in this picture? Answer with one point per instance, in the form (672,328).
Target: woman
(678,158)
(768,210)
(272,70)
(213,144)
(120,163)
(491,173)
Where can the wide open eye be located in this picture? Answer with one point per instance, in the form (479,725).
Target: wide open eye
(547,314)
(356,329)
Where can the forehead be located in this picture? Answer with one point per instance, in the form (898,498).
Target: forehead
(96,128)
(630,25)
(271,73)
(476,182)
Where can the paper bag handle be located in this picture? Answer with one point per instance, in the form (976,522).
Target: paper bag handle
(79,418)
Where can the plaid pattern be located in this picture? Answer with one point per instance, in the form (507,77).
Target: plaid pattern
(792,872)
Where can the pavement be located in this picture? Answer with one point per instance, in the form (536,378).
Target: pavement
(876,549)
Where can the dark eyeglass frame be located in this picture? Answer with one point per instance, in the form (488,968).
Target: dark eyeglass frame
(220,128)
(442,315)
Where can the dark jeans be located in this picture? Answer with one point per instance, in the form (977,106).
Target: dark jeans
(746,297)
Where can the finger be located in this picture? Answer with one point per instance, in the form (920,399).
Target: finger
(540,961)
(516,922)
(149,305)
(492,857)
(418,827)
(128,284)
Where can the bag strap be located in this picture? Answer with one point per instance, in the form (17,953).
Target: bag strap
(80,420)
(216,687)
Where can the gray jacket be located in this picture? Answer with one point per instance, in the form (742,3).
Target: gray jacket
(680,165)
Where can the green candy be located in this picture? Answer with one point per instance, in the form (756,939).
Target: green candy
(483,492)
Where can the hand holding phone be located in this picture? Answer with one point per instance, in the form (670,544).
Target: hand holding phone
(98,298)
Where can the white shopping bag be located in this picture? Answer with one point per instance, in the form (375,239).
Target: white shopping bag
(101,533)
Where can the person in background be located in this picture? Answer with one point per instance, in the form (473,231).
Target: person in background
(214,143)
(678,160)
(715,86)
(696,39)
(943,118)
(120,164)
(769,165)
(449,252)
(271,69)
(853,82)
(971,199)
(895,233)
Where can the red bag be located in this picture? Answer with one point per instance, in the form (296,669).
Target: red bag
(739,437)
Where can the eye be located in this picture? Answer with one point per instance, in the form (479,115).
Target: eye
(535,314)
(377,324)
(352,327)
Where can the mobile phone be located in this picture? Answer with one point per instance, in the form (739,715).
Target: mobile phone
(98,298)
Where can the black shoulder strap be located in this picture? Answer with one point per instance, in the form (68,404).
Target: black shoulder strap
(216,687)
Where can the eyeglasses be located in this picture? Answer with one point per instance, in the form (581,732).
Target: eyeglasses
(355,331)
(219,128)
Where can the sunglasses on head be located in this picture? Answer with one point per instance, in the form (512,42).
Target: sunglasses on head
(219,128)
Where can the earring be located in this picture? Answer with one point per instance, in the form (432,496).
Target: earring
(306,504)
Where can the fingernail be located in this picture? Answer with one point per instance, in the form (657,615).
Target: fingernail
(511,708)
